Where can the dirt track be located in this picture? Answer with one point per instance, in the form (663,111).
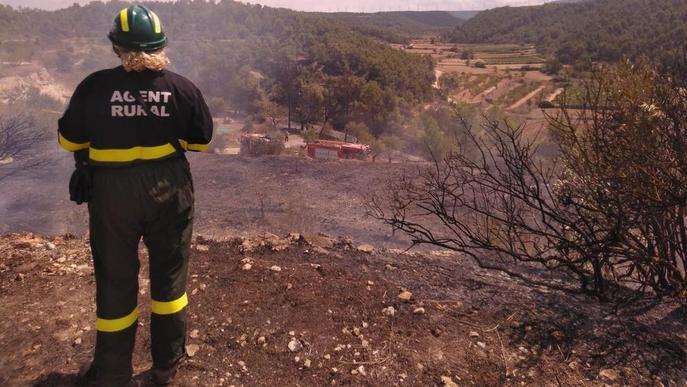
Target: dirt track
(328,299)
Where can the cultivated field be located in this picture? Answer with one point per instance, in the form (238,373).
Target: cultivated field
(510,77)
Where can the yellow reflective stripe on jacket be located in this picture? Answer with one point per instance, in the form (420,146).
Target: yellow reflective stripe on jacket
(118,324)
(169,307)
(193,147)
(124,19)
(131,154)
(71,146)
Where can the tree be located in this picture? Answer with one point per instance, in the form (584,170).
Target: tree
(552,67)
(310,103)
(246,92)
(273,112)
(360,131)
(450,81)
(609,209)
(392,144)
(216,105)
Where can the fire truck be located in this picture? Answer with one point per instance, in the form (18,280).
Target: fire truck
(336,150)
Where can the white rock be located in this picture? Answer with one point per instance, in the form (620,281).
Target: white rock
(608,374)
(295,345)
(481,344)
(306,363)
(448,382)
(192,349)
(194,334)
(474,334)
(405,295)
(389,311)
(419,311)
(275,268)
(327,356)
(366,248)
(362,371)
(247,266)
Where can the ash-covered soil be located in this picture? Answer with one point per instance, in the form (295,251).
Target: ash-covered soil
(234,195)
(314,310)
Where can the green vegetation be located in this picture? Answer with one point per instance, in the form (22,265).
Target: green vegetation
(579,33)
(246,58)
(517,93)
(397,27)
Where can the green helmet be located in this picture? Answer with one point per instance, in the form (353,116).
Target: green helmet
(139,29)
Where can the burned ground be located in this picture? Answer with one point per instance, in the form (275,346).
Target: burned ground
(234,195)
(313,310)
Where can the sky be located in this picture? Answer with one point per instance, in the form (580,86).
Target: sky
(332,5)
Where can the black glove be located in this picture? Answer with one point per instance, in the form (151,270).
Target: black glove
(81,181)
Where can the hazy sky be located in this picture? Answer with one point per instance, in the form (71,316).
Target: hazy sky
(332,5)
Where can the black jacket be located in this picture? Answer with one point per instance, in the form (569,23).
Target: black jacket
(129,117)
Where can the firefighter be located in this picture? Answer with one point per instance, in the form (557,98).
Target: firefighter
(129,128)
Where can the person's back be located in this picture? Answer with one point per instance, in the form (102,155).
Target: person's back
(127,117)
(129,128)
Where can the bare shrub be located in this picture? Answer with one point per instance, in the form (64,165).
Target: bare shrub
(608,209)
(19,139)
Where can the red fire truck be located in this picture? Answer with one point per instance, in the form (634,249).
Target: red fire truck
(334,150)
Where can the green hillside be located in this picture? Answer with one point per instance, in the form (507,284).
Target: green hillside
(601,30)
(398,27)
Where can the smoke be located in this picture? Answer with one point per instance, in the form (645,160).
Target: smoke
(330,5)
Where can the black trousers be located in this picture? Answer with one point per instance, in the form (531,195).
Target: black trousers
(153,201)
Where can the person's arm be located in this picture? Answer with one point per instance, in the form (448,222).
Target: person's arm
(71,131)
(199,132)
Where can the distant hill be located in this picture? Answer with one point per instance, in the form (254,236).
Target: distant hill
(601,30)
(465,15)
(399,26)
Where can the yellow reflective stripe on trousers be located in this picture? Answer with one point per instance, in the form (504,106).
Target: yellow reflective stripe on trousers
(193,147)
(124,19)
(131,154)
(71,146)
(118,324)
(169,307)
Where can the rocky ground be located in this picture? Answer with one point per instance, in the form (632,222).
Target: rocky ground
(313,310)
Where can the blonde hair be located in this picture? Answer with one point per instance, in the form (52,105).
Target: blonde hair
(141,60)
